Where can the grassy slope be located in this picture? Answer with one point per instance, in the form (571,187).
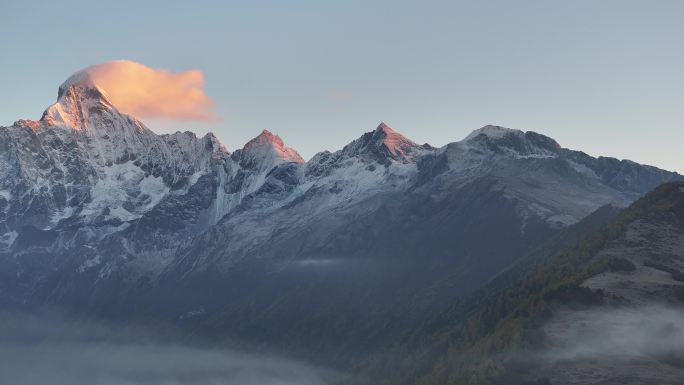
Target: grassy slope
(469,343)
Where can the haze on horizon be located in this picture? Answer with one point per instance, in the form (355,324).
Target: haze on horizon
(602,77)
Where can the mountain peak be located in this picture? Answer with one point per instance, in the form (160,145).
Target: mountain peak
(384,128)
(493,132)
(519,142)
(78,99)
(81,80)
(397,144)
(268,136)
(215,144)
(269,146)
(384,144)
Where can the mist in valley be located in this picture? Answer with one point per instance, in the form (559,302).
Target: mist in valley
(647,331)
(52,349)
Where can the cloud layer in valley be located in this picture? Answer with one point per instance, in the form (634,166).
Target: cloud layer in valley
(151,93)
(651,331)
(47,349)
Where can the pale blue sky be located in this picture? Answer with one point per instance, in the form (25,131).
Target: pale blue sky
(606,77)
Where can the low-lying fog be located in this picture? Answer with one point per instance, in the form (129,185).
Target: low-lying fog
(651,331)
(42,349)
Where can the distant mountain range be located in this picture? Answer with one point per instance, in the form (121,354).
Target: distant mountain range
(331,258)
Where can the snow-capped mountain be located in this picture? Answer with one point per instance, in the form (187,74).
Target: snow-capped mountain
(84,161)
(99,213)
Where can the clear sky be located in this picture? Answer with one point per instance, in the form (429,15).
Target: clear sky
(602,76)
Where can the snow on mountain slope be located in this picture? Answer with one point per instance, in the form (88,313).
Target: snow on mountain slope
(119,202)
(85,159)
(306,207)
(291,196)
(557,184)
